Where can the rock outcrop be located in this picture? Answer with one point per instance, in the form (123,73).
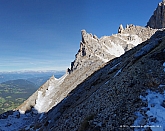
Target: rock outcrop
(157,20)
(109,47)
(120,29)
(94,52)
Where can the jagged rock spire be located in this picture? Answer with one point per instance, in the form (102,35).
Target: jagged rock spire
(157,20)
(84,35)
(120,28)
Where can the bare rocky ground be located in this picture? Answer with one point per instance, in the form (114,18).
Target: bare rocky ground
(109,98)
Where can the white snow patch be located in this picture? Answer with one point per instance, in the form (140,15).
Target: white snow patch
(106,82)
(16,121)
(101,58)
(43,101)
(40,102)
(115,49)
(164,66)
(134,41)
(161,85)
(156,112)
(117,73)
(22,112)
(115,66)
(137,122)
(41,116)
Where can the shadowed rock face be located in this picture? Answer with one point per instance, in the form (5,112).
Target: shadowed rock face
(157,20)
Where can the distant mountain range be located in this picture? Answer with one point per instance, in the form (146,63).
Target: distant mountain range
(38,76)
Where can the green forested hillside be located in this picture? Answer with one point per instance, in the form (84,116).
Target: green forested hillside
(14,92)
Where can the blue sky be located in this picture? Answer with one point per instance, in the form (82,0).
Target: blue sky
(45,34)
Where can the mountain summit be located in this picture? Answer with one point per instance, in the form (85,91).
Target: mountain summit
(157,20)
(115,83)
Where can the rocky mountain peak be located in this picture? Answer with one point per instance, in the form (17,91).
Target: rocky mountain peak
(86,36)
(157,20)
(93,49)
(83,34)
(163,1)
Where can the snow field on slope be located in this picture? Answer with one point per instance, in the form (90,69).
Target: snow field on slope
(15,121)
(115,49)
(155,111)
(135,41)
(43,102)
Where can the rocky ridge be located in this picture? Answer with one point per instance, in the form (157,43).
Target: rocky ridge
(109,47)
(92,55)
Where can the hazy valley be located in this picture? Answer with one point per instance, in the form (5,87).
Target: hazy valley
(16,87)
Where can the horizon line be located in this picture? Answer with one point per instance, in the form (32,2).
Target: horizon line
(33,71)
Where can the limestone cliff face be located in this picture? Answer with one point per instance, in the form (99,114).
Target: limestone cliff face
(157,20)
(106,48)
